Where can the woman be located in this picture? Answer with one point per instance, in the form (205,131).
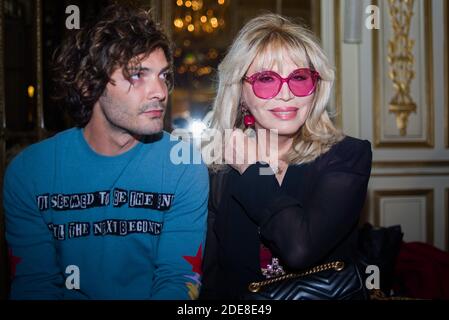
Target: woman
(276,77)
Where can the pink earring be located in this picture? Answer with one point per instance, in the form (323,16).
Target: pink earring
(249,121)
(248,118)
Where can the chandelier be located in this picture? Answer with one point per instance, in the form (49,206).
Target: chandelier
(199,17)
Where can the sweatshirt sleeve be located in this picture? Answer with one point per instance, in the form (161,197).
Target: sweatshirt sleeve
(34,269)
(302,235)
(181,243)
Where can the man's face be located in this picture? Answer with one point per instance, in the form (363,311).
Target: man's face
(138,105)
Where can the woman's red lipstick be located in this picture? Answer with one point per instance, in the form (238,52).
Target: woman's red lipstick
(285,113)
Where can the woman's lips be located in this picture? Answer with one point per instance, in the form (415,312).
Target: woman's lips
(285,113)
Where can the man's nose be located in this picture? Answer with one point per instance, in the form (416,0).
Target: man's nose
(157,89)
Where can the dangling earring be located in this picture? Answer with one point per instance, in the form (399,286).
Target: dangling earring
(249,121)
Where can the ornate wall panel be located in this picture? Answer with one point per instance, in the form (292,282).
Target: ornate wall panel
(412,209)
(403,77)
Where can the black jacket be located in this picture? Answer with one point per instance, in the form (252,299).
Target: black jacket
(310,219)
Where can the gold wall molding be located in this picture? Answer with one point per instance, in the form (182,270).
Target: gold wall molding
(426,164)
(411,174)
(427,193)
(428,142)
(410,164)
(401,60)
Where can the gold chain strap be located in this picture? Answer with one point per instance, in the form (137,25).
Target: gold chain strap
(336,265)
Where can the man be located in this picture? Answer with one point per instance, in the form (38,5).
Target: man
(99,211)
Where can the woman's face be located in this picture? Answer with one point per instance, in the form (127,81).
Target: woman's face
(284,112)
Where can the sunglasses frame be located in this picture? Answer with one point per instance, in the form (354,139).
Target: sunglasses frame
(252,79)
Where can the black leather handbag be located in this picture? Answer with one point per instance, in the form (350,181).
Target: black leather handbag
(330,281)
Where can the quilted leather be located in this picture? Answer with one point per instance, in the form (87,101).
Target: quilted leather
(325,285)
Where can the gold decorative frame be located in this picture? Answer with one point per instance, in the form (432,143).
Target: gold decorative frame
(401,59)
(428,193)
(411,164)
(429,142)
(411,174)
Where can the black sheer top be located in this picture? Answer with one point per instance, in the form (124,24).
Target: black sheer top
(310,219)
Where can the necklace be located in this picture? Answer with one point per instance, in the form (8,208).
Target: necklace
(279,170)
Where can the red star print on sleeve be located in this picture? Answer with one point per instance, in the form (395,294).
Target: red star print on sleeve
(195,261)
(13,262)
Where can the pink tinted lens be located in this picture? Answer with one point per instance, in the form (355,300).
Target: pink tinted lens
(302,82)
(267,85)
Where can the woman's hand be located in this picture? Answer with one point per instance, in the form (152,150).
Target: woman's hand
(240,151)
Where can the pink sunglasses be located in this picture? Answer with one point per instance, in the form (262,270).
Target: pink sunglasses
(267,84)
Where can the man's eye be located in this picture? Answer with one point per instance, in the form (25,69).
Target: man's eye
(168,78)
(136,76)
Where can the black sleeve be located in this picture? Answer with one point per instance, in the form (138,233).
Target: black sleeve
(303,235)
(210,260)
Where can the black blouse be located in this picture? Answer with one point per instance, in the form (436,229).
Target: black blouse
(310,219)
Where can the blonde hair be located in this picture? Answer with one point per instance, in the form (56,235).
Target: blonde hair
(267,35)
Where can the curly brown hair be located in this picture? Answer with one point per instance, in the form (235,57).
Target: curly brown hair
(83,64)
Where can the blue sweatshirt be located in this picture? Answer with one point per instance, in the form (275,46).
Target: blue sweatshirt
(80,225)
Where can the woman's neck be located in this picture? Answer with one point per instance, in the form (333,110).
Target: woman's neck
(284,145)
(281,146)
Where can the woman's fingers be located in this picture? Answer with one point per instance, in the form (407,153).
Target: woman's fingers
(240,150)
